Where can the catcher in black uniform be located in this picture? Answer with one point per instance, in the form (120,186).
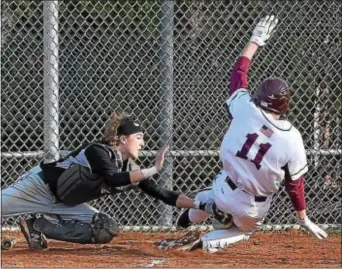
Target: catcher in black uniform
(56,194)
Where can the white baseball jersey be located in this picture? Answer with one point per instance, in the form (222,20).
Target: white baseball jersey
(257,147)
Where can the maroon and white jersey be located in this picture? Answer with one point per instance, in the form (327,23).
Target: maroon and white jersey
(257,149)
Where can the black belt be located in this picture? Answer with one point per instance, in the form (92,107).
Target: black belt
(233,187)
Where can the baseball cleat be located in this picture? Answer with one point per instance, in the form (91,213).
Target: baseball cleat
(34,238)
(183,221)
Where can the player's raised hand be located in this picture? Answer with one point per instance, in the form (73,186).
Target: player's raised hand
(313,228)
(263,30)
(161,157)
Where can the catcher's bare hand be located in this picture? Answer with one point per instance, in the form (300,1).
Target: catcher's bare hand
(161,157)
(263,30)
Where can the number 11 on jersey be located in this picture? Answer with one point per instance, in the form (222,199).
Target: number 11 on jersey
(263,148)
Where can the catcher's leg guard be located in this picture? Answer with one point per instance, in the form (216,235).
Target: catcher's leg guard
(100,231)
(34,238)
(104,228)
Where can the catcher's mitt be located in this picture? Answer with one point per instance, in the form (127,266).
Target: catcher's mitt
(188,242)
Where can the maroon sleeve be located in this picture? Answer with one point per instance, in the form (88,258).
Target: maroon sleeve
(238,77)
(295,190)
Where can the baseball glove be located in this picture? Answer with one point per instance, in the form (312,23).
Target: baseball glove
(188,242)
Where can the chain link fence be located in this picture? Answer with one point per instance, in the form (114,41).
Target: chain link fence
(67,65)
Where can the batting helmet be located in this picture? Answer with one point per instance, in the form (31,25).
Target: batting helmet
(273,95)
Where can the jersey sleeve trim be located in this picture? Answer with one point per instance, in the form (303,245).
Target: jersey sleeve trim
(300,172)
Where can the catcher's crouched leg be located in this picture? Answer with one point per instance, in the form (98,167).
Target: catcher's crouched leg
(101,230)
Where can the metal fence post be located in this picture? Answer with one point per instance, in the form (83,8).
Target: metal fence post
(316,126)
(166,92)
(51,91)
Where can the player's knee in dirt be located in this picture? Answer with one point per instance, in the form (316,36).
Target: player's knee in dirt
(104,228)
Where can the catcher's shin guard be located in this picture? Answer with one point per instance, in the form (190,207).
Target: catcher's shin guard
(101,230)
(34,238)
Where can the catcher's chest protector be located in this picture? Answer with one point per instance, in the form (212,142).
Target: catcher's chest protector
(78,185)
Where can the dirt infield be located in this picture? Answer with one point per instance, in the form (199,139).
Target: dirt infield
(132,249)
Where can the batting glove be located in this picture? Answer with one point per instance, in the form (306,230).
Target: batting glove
(313,228)
(263,30)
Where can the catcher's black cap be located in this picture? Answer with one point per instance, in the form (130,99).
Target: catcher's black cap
(129,127)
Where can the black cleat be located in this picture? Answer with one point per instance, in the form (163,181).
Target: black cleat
(183,221)
(34,238)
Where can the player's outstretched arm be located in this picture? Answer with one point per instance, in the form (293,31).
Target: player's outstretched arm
(171,197)
(261,33)
(295,189)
